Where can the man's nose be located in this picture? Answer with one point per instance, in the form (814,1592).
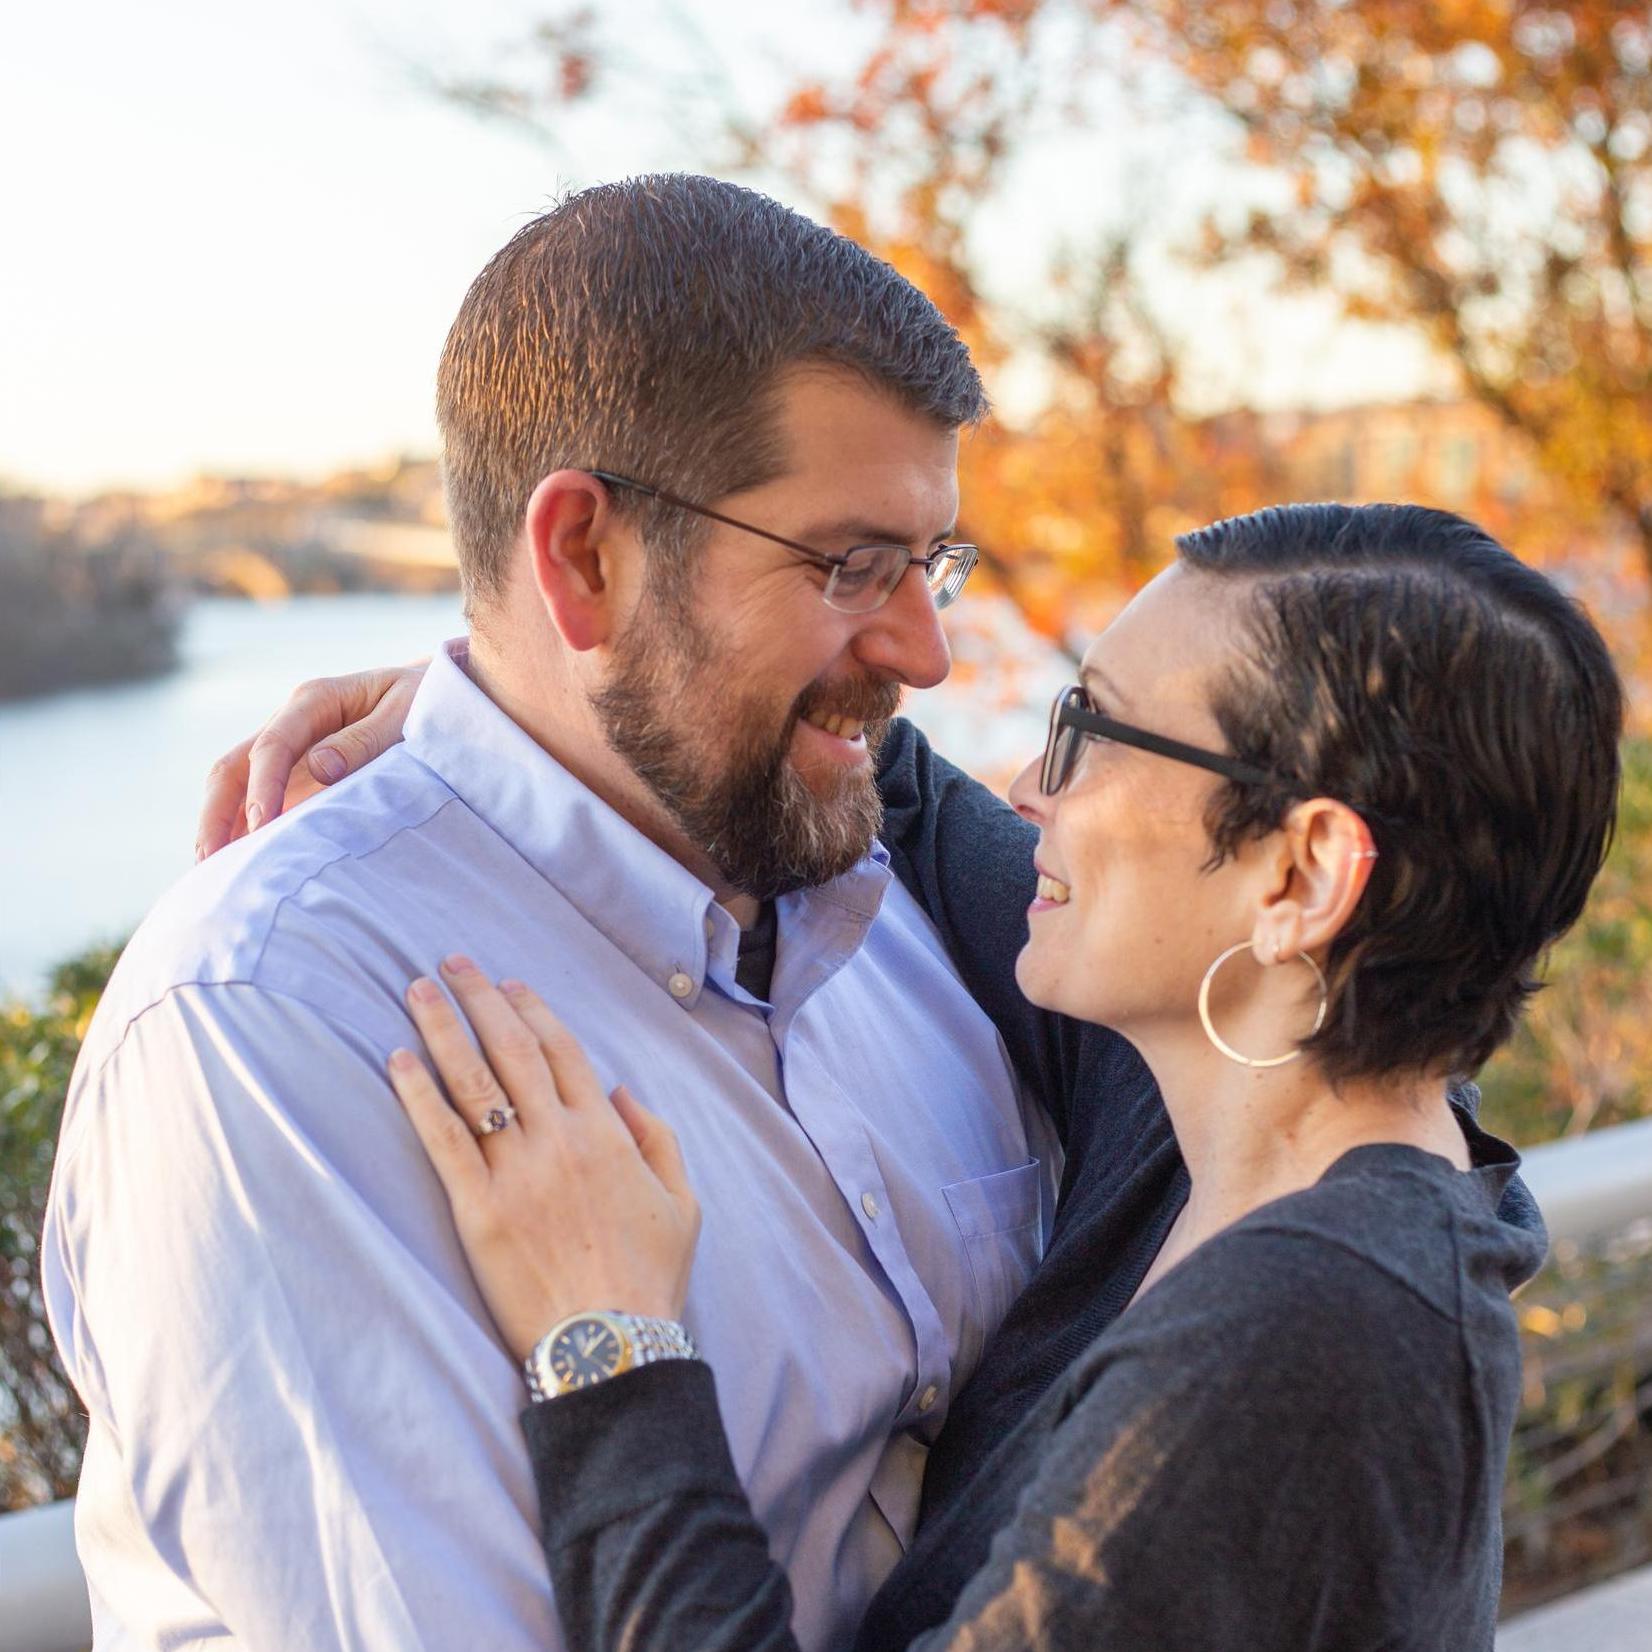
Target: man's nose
(904,639)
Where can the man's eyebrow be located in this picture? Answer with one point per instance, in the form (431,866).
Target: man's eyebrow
(1110,690)
(859,530)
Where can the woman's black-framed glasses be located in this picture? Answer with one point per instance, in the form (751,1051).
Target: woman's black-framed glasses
(860,579)
(1074,718)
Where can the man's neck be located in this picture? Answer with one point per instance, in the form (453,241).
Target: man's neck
(548,704)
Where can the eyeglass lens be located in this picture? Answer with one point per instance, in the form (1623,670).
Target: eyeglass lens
(863,579)
(867,577)
(1062,744)
(948,573)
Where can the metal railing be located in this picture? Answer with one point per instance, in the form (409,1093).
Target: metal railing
(1588,1187)
(1577,1503)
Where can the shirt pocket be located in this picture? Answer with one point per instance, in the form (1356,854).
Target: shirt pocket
(998,1219)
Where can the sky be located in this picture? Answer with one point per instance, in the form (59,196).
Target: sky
(232,236)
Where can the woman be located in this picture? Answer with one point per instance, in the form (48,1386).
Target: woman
(1329,787)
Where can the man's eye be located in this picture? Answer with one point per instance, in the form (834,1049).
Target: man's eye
(856,573)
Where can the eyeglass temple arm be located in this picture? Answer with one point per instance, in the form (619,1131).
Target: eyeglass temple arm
(818,557)
(1092,722)
(613,480)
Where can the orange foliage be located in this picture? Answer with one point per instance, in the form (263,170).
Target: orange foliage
(1490,163)
(1487,164)
(1075,504)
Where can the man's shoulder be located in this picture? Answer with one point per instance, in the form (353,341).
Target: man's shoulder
(285,905)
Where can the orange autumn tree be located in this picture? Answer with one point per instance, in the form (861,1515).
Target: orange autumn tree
(1075,497)
(1480,168)
(1074,491)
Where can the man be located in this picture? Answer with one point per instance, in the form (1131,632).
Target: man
(677,419)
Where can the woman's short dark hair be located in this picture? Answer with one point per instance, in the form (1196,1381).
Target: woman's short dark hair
(1400,660)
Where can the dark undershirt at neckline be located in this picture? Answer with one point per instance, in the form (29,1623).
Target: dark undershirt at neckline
(754,967)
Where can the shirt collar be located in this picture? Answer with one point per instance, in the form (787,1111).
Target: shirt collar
(646,903)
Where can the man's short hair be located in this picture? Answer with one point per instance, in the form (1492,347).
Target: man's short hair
(642,327)
(1400,660)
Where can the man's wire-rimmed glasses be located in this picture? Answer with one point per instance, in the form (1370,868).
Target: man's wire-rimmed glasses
(862,578)
(1074,718)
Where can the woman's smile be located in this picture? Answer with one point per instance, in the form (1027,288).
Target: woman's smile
(1052,892)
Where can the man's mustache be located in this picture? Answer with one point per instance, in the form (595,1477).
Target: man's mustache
(871,700)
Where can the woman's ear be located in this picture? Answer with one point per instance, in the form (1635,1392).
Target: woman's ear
(569,533)
(1324,864)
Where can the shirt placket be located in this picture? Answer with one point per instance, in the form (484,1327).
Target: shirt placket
(834,1124)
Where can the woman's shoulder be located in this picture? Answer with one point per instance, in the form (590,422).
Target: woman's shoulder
(1303,1405)
(1310,1404)
(1397,1218)
(1382,1273)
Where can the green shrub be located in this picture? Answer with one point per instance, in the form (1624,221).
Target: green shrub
(42,1430)
(1582,1060)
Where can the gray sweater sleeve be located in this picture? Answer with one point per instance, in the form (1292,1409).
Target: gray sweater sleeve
(651,1542)
(1242,1466)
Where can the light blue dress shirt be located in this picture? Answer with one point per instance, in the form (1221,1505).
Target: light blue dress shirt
(303,1425)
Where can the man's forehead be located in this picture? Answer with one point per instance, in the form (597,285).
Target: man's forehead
(858,466)
(837,407)
(891,526)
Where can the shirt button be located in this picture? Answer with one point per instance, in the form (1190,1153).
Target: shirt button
(928,1398)
(869,1205)
(680,985)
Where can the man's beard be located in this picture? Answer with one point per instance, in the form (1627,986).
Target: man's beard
(722,768)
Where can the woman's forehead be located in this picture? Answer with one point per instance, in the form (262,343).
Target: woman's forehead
(1166,642)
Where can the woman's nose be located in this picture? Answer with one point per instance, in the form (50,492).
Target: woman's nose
(1026,798)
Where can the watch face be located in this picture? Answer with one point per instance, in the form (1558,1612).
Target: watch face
(586,1351)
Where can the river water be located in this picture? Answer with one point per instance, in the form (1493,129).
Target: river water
(99,789)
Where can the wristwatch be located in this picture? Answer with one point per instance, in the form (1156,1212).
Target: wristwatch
(585,1349)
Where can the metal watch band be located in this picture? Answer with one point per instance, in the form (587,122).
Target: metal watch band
(650,1340)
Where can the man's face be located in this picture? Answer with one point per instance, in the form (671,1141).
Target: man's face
(727,703)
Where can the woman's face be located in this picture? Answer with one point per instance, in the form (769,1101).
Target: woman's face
(1128,920)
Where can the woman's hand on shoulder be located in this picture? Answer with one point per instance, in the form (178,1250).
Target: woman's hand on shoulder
(567,1199)
(327,729)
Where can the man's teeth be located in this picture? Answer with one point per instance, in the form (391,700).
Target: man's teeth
(1049,889)
(845,728)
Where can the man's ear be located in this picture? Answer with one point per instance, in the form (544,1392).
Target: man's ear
(569,528)
(1323,864)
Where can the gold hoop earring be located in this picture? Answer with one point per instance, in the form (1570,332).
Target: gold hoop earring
(1226,1048)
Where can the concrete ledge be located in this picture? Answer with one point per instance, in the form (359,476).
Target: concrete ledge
(43,1605)
(1611,1617)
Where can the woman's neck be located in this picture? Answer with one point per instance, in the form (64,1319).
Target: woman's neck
(1252,1135)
